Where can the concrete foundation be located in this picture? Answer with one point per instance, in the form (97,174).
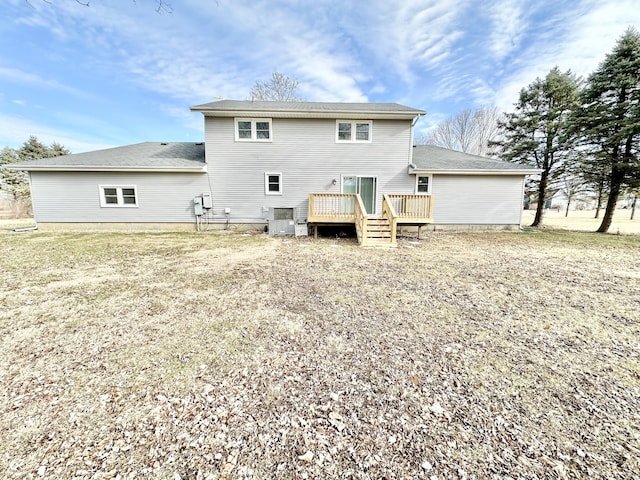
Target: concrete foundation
(147,227)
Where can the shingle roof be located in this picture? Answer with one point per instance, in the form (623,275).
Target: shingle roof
(432,159)
(147,156)
(308,109)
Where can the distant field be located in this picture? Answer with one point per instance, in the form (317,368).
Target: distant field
(206,356)
(583,220)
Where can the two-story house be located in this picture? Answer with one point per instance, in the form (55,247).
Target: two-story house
(280,165)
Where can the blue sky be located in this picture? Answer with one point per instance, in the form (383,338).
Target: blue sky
(116,72)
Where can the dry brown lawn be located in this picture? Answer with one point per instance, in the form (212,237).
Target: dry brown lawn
(188,356)
(583,220)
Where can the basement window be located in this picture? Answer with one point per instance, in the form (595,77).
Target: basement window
(118,196)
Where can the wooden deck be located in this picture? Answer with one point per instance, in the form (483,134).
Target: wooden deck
(347,208)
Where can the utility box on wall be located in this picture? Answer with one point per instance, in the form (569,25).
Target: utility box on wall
(206,200)
(282,221)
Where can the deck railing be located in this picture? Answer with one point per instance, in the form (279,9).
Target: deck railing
(331,207)
(360,215)
(389,212)
(411,208)
(343,208)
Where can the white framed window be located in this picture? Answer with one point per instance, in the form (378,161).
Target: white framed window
(423,184)
(350,131)
(253,129)
(272,183)
(118,196)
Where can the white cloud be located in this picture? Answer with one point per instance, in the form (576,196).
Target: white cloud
(189,119)
(577,39)
(324,75)
(16,130)
(507,25)
(241,43)
(418,52)
(418,34)
(15,75)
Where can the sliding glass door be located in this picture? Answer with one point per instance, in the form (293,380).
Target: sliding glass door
(366,187)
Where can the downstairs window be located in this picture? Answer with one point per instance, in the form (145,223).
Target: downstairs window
(118,196)
(272,183)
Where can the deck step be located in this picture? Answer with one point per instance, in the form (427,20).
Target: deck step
(378,232)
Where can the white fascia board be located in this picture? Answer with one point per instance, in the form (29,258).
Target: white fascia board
(69,168)
(475,172)
(315,114)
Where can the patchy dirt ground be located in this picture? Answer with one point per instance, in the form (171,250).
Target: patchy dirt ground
(191,356)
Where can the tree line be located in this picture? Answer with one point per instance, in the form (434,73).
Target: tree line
(16,182)
(581,134)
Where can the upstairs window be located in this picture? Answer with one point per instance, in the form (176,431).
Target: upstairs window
(253,129)
(118,196)
(353,131)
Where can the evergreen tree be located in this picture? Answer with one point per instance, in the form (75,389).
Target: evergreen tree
(15,181)
(535,134)
(608,119)
(33,149)
(57,150)
(595,174)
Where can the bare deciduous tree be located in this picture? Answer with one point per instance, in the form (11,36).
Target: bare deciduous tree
(280,88)
(571,187)
(468,131)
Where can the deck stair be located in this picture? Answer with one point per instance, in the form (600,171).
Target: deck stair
(372,231)
(378,233)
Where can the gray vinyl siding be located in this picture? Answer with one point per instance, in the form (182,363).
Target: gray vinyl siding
(75,196)
(477,199)
(305,152)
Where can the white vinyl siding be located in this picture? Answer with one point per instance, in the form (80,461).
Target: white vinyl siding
(305,152)
(75,196)
(477,199)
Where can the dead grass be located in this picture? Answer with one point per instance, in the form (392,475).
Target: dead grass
(583,220)
(209,356)
(7,225)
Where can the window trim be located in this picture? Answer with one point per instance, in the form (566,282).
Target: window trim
(119,196)
(254,130)
(354,131)
(429,185)
(266,183)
